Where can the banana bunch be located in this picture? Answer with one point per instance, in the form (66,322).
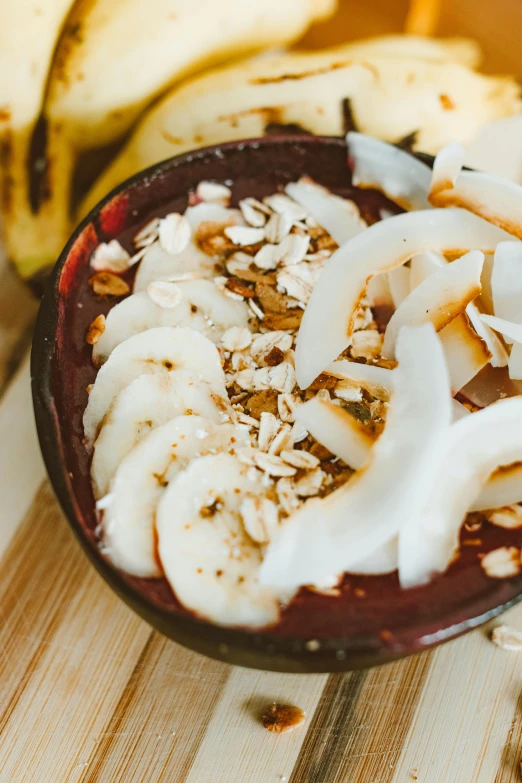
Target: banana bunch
(112,59)
(391,88)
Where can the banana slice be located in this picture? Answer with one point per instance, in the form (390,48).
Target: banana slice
(210,561)
(130,511)
(147,403)
(157,264)
(201,306)
(162,350)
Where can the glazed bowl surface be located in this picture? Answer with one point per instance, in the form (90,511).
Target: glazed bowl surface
(373,621)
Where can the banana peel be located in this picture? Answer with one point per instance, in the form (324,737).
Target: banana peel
(28,35)
(371,86)
(113,58)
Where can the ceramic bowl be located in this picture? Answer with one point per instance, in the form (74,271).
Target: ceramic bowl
(374,621)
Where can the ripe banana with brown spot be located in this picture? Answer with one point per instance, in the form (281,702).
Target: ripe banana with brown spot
(113,59)
(28,34)
(370,84)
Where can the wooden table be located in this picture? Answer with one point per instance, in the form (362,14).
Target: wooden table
(90,694)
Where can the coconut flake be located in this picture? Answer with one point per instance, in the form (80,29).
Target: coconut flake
(338,430)
(376,380)
(476,446)
(339,216)
(515,362)
(495,199)
(400,176)
(383,561)
(333,534)
(499,355)
(512,331)
(459,410)
(466,353)
(425,264)
(506,281)
(327,324)
(504,488)
(399,281)
(446,168)
(378,292)
(439,298)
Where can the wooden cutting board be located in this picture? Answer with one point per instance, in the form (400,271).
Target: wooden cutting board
(90,694)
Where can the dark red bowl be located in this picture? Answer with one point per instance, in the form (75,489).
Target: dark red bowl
(374,621)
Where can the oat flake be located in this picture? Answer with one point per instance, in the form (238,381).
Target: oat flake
(214,192)
(502,563)
(174,233)
(165,294)
(110,257)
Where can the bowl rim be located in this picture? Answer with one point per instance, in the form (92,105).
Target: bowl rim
(251,648)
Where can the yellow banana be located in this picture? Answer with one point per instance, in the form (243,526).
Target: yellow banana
(113,59)
(28,35)
(435,97)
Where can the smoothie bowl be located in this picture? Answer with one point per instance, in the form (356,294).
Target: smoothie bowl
(263,378)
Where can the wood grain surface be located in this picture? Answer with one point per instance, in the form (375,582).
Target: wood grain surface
(90,694)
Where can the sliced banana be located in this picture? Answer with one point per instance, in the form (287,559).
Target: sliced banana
(162,350)
(157,264)
(130,511)
(202,306)
(146,403)
(208,558)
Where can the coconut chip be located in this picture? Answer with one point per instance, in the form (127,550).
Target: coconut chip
(504,488)
(497,200)
(477,445)
(400,176)
(439,298)
(506,281)
(338,216)
(401,468)
(327,323)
